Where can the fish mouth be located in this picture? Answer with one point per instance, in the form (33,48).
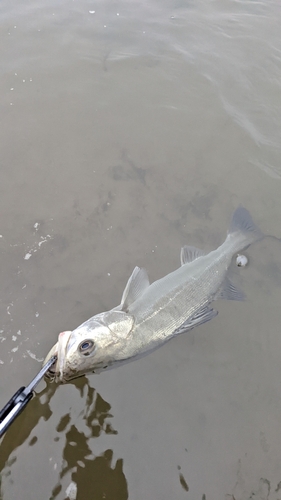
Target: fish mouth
(56,371)
(50,374)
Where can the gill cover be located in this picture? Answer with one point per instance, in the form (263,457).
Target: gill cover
(119,323)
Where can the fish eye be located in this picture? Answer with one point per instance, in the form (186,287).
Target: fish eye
(86,347)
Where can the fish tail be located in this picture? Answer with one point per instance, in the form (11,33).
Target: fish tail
(244,229)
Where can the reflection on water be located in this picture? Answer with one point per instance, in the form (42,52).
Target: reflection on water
(107,480)
(20,430)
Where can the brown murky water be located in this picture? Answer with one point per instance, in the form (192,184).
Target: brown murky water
(127,130)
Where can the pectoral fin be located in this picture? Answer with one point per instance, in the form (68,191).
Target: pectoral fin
(202,316)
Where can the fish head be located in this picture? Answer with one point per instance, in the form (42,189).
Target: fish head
(92,347)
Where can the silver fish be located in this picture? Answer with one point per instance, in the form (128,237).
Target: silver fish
(150,315)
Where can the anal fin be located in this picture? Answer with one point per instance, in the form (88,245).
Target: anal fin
(228,291)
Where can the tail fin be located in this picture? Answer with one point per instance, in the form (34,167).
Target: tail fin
(243,223)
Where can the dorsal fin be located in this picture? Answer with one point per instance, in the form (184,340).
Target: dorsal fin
(137,283)
(189,253)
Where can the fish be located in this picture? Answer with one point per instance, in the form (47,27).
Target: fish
(149,315)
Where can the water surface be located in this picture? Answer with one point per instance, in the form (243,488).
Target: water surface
(128,130)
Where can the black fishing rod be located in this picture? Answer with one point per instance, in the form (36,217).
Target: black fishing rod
(20,399)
